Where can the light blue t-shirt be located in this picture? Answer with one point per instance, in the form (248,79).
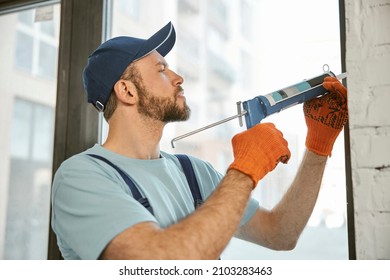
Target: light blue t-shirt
(91,203)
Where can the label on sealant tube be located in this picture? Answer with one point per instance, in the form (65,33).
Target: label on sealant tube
(280,95)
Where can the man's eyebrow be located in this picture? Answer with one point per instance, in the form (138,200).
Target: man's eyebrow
(164,63)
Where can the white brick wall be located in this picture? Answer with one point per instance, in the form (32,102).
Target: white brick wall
(368,67)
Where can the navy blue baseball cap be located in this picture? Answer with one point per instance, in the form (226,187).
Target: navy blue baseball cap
(108,62)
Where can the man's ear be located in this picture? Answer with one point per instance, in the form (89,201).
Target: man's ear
(125,91)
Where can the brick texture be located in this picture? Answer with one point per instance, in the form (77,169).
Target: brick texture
(368,67)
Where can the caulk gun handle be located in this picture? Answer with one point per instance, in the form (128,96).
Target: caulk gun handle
(262,106)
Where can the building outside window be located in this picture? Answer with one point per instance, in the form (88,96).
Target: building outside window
(28,53)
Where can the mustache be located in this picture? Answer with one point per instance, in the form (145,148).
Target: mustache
(178,90)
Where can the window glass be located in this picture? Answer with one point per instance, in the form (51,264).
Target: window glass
(24,51)
(247,27)
(42,125)
(131,8)
(47,60)
(26,17)
(36,44)
(48,28)
(28,53)
(229,51)
(21,130)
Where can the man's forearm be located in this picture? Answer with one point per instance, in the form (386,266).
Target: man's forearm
(294,210)
(280,228)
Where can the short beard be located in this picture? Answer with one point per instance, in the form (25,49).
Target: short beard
(164,109)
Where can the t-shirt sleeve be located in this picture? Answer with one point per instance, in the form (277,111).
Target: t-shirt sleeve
(91,207)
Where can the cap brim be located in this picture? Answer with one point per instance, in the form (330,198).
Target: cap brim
(162,41)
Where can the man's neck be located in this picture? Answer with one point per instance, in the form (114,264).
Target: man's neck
(138,139)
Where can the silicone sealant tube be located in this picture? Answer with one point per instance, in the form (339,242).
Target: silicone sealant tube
(264,105)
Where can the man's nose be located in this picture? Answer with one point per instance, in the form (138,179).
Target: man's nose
(177,80)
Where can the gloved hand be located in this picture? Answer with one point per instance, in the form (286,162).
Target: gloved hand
(325,117)
(258,150)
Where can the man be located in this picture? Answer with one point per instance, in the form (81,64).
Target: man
(94,212)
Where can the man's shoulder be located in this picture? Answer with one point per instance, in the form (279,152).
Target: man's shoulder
(79,160)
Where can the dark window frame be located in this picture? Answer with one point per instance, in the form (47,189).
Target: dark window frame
(347,145)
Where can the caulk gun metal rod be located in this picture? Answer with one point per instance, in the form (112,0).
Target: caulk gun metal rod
(207,127)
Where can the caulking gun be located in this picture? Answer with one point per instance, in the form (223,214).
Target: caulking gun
(256,109)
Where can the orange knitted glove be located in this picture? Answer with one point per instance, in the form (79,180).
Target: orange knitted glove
(325,117)
(258,150)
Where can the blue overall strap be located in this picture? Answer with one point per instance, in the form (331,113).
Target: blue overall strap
(134,190)
(191,178)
